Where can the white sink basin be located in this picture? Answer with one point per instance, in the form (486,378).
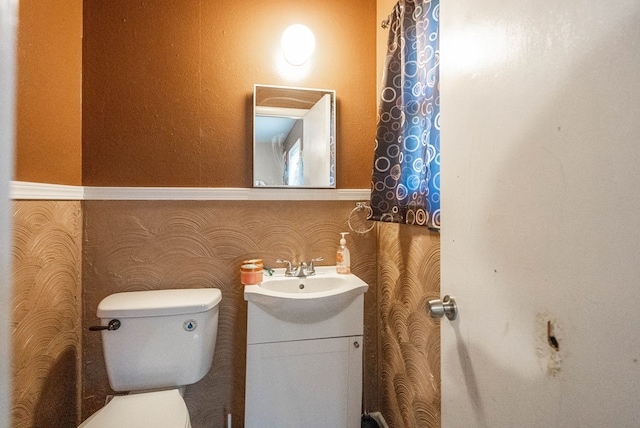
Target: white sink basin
(305,300)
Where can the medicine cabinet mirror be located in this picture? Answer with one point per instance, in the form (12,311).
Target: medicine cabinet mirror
(294,137)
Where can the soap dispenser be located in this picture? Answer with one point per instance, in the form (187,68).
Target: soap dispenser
(343,258)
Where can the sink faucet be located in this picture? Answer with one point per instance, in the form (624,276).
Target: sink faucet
(311,269)
(302,270)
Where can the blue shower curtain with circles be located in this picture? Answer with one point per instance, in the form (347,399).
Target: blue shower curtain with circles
(405,185)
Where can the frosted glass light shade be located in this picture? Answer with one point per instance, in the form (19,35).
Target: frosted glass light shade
(298,44)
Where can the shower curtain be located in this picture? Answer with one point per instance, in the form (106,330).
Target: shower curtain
(405,185)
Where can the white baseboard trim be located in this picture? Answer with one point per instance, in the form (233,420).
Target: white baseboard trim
(22,190)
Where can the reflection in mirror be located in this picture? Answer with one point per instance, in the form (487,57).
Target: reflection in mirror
(293,137)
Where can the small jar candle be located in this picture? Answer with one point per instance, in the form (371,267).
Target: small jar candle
(250,274)
(254,262)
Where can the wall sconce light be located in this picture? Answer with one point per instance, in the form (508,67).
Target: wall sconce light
(298,44)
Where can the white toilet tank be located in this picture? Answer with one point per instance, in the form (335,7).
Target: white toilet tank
(166,338)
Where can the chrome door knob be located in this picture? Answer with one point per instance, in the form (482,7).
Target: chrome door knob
(446,307)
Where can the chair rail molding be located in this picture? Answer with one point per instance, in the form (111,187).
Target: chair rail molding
(23,190)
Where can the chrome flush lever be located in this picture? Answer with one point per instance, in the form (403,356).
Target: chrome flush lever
(446,307)
(113,325)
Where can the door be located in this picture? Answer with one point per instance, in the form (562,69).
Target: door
(304,383)
(316,147)
(541,213)
(8,24)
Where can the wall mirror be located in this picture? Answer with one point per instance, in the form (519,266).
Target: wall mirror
(294,137)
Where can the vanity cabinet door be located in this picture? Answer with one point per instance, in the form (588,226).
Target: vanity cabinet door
(307,383)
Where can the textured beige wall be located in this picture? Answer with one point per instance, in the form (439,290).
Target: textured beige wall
(146,245)
(142,245)
(409,340)
(46,314)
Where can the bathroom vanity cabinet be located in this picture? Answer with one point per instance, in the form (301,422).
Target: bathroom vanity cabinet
(304,374)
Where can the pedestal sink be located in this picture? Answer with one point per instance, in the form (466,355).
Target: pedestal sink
(304,350)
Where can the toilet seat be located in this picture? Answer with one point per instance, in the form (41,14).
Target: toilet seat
(160,409)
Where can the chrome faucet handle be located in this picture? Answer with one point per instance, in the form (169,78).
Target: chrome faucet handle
(311,270)
(289,270)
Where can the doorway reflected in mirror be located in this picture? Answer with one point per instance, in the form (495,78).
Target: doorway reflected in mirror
(293,137)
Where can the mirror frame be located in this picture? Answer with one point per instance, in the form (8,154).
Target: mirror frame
(291,104)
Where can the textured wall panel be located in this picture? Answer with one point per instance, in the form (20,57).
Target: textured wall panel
(146,245)
(408,276)
(46,313)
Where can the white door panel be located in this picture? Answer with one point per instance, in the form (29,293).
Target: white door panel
(316,134)
(541,213)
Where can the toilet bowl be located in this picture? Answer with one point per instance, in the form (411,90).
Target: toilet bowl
(160,409)
(155,343)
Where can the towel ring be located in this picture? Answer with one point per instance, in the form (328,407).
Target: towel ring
(360,206)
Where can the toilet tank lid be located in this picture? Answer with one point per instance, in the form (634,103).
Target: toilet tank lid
(134,304)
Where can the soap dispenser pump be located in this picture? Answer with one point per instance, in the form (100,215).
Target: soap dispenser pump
(343,258)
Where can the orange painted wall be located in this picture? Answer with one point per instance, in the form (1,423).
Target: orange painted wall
(48,97)
(167,86)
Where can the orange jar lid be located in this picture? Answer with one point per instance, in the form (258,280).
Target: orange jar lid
(253,262)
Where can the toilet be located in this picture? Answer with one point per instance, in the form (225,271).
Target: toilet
(155,343)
